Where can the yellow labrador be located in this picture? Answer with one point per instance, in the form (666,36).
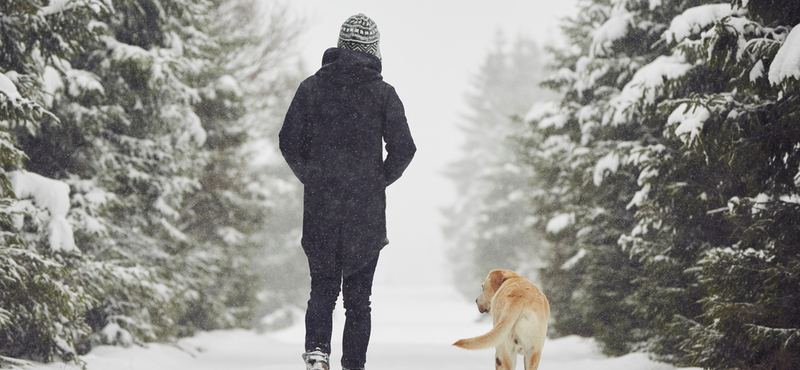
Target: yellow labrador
(520,312)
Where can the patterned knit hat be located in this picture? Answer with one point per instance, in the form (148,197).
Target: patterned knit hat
(360,33)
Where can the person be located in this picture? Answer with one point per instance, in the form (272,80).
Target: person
(333,140)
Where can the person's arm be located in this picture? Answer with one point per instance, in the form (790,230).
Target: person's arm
(292,134)
(400,146)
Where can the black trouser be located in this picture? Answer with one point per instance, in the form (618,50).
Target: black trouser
(356,290)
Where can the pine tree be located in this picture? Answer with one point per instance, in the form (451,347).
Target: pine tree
(743,132)
(137,108)
(129,146)
(41,312)
(579,153)
(489,224)
(245,91)
(678,152)
(269,71)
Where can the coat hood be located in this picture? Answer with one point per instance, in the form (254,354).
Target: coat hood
(349,67)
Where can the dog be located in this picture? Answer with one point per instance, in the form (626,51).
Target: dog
(520,312)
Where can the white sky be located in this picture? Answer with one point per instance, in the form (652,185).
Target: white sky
(431,51)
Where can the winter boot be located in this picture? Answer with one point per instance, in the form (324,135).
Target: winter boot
(316,360)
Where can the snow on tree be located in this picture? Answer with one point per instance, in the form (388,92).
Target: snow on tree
(129,144)
(118,104)
(785,68)
(51,196)
(243,102)
(581,168)
(41,312)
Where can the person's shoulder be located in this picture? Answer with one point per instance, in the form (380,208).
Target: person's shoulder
(388,88)
(310,80)
(310,83)
(388,85)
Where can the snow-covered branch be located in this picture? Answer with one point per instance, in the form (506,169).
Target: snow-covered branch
(51,195)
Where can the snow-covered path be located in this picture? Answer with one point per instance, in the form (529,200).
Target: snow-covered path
(413,328)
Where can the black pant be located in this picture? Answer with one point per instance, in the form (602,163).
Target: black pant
(326,281)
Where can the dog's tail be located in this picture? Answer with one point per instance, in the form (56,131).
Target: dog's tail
(500,331)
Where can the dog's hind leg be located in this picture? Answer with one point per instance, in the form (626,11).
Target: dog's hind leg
(504,358)
(532,360)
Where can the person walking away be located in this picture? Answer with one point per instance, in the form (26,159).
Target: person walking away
(333,140)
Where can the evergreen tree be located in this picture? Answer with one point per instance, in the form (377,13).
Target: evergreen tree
(130,147)
(41,313)
(489,224)
(281,263)
(742,130)
(676,151)
(583,182)
(247,91)
(135,108)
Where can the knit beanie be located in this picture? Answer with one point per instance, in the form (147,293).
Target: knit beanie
(360,33)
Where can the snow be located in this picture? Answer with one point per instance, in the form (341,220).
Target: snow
(7,87)
(574,259)
(791,198)
(124,52)
(51,195)
(413,328)
(559,222)
(83,81)
(230,235)
(609,163)
(114,334)
(173,231)
(647,173)
(228,84)
(55,6)
(193,125)
(690,122)
(547,113)
(640,196)
(52,83)
(646,83)
(758,204)
(615,28)
(693,20)
(757,71)
(164,208)
(787,61)
(91,193)
(175,44)
(588,71)
(656,3)
(195,129)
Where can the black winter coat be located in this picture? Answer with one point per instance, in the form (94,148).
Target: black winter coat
(332,139)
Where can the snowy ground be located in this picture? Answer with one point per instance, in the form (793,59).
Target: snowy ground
(413,328)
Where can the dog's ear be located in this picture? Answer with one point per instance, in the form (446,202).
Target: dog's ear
(497,277)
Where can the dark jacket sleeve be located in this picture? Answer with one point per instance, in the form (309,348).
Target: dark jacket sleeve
(400,146)
(291,137)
